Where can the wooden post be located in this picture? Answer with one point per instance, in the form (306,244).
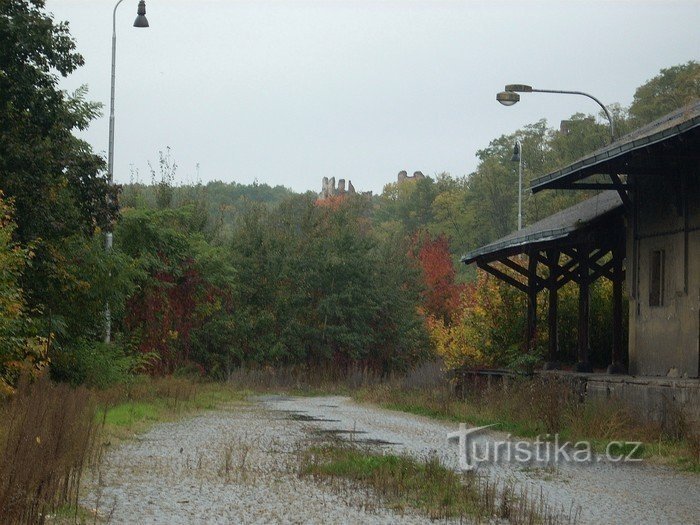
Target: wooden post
(616,365)
(553,260)
(531,300)
(583,364)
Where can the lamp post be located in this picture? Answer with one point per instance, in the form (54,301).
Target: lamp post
(511,96)
(518,157)
(140,21)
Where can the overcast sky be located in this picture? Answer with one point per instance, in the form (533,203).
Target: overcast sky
(287,92)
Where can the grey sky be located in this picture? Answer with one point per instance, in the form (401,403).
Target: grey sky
(287,92)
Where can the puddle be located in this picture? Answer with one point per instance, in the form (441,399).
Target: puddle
(339,431)
(376,442)
(296,416)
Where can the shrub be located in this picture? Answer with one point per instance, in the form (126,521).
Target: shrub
(92,364)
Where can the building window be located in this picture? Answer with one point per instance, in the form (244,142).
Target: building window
(656,278)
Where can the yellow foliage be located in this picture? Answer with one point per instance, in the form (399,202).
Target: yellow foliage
(452,344)
(21,353)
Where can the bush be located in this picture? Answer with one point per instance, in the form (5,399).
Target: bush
(92,364)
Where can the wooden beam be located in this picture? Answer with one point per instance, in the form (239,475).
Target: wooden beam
(502,276)
(559,276)
(616,364)
(532,302)
(525,272)
(606,270)
(584,311)
(553,343)
(621,188)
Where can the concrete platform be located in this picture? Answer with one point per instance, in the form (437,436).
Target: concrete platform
(661,400)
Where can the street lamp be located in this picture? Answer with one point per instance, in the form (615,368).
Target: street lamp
(140,21)
(518,157)
(511,96)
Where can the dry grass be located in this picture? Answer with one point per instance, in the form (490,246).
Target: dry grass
(47,437)
(303,380)
(529,407)
(133,408)
(51,432)
(524,407)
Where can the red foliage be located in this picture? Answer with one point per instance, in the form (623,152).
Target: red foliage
(441,298)
(164,314)
(334,202)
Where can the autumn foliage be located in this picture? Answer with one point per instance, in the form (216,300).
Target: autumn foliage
(164,315)
(21,351)
(441,294)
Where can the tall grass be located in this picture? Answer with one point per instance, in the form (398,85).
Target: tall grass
(305,380)
(46,438)
(537,406)
(49,433)
(131,408)
(524,407)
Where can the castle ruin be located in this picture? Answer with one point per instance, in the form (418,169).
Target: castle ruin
(328,188)
(403,176)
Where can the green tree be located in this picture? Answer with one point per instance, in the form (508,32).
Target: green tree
(671,89)
(21,351)
(56,182)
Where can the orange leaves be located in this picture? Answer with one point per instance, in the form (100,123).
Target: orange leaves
(441,296)
(333,202)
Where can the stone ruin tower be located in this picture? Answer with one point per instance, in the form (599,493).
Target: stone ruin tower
(403,176)
(328,188)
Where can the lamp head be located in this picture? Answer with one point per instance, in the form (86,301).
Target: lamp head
(507,98)
(141,20)
(519,88)
(516,153)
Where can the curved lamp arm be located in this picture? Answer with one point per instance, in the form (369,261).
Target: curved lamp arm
(605,110)
(510,96)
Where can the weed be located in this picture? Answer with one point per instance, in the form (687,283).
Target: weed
(401,482)
(47,438)
(530,407)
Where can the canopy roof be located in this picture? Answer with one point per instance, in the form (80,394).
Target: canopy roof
(558,227)
(673,138)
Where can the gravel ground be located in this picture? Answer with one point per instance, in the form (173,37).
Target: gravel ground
(599,492)
(236,465)
(239,465)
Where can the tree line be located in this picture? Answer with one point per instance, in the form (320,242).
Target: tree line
(209,277)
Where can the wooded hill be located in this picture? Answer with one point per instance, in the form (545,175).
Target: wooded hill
(210,277)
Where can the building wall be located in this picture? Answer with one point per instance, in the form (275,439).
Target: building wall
(665,339)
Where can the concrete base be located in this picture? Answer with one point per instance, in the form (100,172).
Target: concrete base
(617,368)
(583,368)
(551,365)
(661,400)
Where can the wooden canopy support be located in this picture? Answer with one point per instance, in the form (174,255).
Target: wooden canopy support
(532,302)
(502,276)
(621,188)
(553,305)
(617,366)
(584,280)
(579,262)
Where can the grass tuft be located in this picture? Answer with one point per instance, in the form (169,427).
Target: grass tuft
(401,482)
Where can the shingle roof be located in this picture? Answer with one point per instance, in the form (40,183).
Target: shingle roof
(671,125)
(557,226)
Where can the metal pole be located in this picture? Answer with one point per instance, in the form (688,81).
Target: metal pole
(605,110)
(110,157)
(110,151)
(520,186)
